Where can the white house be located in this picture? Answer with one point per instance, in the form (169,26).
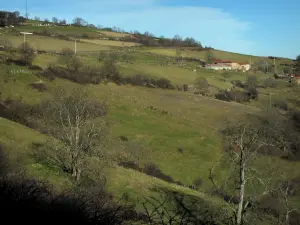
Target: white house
(228,65)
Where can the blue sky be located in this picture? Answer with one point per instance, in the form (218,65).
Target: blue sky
(257,27)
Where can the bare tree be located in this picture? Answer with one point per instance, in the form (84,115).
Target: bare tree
(77,21)
(245,140)
(210,57)
(27,53)
(63,22)
(201,86)
(54,20)
(74,63)
(65,56)
(284,193)
(68,119)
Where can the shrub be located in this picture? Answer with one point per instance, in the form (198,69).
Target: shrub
(180,150)
(270,82)
(238,96)
(281,104)
(238,83)
(29,198)
(252,93)
(233,95)
(197,183)
(35,67)
(163,83)
(185,87)
(16,111)
(74,63)
(38,86)
(110,71)
(124,138)
(152,169)
(201,86)
(252,82)
(27,54)
(130,165)
(223,95)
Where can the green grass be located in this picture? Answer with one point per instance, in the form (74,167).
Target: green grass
(175,74)
(192,122)
(110,43)
(236,57)
(54,44)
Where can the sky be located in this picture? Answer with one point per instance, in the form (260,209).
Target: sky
(256,27)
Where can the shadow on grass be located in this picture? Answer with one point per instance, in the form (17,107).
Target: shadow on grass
(172,207)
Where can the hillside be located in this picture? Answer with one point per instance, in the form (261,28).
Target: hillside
(176,130)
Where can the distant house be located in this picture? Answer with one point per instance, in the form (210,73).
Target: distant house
(297,77)
(219,67)
(244,66)
(228,65)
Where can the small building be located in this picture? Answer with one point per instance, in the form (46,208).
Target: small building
(297,77)
(228,65)
(244,66)
(219,67)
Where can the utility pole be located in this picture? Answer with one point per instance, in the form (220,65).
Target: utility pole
(25,44)
(275,65)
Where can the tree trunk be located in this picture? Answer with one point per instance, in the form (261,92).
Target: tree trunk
(239,215)
(287,218)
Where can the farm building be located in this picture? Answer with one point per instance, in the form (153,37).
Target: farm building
(297,77)
(229,65)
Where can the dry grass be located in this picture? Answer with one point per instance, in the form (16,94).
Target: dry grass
(110,43)
(236,57)
(113,34)
(54,44)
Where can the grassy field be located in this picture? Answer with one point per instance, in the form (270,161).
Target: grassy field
(54,44)
(191,123)
(110,43)
(236,57)
(112,34)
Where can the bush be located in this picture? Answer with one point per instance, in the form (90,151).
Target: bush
(233,95)
(41,87)
(281,104)
(201,86)
(185,87)
(27,54)
(163,83)
(29,198)
(270,82)
(74,63)
(123,138)
(16,111)
(252,93)
(35,67)
(252,82)
(152,169)
(223,96)
(238,83)
(238,96)
(197,183)
(131,165)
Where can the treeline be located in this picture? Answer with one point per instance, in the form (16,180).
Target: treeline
(10,18)
(148,39)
